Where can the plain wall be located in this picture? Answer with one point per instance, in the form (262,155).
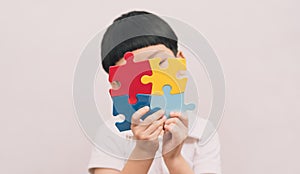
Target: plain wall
(257,42)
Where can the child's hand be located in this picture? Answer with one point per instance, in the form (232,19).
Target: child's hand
(176,131)
(146,132)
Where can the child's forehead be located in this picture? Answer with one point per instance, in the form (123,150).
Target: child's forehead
(151,52)
(152,48)
(141,57)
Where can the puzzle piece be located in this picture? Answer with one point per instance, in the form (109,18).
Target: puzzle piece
(166,76)
(121,106)
(169,102)
(129,76)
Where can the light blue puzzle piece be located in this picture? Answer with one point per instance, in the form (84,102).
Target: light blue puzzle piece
(170,102)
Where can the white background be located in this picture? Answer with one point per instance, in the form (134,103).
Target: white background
(257,42)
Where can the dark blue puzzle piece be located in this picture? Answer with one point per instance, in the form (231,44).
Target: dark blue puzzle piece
(121,106)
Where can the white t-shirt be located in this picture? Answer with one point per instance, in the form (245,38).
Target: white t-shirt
(201,158)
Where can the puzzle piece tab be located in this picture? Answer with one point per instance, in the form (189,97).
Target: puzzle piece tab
(170,102)
(166,76)
(121,106)
(129,76)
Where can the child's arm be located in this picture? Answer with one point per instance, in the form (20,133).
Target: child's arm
(178,165)
(176,131)
(146,133)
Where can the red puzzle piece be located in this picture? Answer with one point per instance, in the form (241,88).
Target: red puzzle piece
(129,76)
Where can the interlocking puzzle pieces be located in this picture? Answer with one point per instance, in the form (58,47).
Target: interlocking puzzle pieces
(141,79)
(129,76)
(169,102)
(122,106)
(166,76)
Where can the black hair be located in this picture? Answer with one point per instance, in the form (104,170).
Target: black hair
(135,43)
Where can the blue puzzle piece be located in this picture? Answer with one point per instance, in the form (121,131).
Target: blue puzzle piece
(170,102)
(122,106)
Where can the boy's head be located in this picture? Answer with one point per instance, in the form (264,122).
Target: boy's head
(159,39)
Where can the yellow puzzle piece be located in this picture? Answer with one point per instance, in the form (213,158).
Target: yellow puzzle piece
(166,76)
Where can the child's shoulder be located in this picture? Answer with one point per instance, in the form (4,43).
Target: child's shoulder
(200,127)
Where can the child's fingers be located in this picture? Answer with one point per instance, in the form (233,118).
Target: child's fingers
(155,125)
(175,121)
(170,127)
(180,116)
(153,117)
(135,119)
(156,133)
(174,114)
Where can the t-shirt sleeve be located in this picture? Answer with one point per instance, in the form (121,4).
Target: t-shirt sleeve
(111,148)
(101,159)
(207,157)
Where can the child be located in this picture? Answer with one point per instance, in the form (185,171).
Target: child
(181,152)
